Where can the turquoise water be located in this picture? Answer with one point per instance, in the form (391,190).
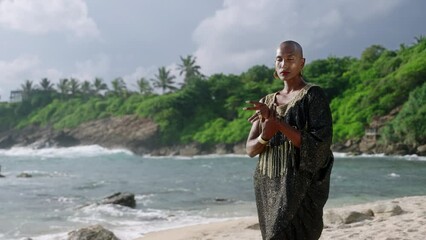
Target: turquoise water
(170,191)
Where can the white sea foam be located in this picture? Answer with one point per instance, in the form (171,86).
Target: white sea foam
(394,175)
(145,199)
(197,157)
(412,157)
(62,152)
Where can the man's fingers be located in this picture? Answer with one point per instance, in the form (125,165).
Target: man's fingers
(253,118)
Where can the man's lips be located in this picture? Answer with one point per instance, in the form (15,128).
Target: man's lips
(285,73)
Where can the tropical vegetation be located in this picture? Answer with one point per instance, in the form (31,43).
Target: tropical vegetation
(209,109)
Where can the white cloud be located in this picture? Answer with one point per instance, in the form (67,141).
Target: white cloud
(149,73)
(140,72)
(13,73)
(90,69)
(243,34)
(40,17)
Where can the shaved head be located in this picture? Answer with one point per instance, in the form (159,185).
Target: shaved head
(297,49)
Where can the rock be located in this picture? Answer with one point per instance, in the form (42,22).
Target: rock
(401,149)
(255,226)
(332,217)
(7,142)
(239,148)
(221,200)
(354,216)
(189,150)
(129,131)
(348,143)
(24,175)
(387,210)
(421,150)
(41,143)
(124,199)
(221,149)
(367,145)
(63,139)
(96,232)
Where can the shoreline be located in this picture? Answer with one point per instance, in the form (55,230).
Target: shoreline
(399,218)
(27,150)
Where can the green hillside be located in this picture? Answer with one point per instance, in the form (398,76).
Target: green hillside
(208,110)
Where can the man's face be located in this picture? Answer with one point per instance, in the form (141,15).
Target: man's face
(288,62)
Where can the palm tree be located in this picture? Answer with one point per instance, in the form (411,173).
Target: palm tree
(27,89)
(46,85)
(99,86)
(164,80)
(144,86)
(86,88)
(189,68)
(63,87)
(74,86)
(119,87)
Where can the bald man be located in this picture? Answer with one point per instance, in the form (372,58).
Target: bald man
(291,133)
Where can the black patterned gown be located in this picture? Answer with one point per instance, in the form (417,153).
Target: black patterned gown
(292,184)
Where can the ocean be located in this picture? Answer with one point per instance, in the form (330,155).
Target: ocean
(68,183)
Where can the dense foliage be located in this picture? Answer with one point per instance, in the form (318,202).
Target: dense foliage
(208,110)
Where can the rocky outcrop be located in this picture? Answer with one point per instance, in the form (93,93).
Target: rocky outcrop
(124,199)
(36,137)
(370,143)
(339,216)
(96,232)
(132,132)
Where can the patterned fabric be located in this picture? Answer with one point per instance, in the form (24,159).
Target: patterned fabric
(292,184)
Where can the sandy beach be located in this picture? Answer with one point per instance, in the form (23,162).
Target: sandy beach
(396,219)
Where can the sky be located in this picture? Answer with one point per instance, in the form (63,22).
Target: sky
(85,39)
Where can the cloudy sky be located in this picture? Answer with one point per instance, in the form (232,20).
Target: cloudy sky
(133,38)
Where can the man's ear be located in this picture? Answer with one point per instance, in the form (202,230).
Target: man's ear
(303,62)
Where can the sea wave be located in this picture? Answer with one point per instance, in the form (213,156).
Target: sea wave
(63,152)
(196,157)
(413,157)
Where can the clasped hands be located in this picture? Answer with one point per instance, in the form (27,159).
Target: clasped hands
(267,117)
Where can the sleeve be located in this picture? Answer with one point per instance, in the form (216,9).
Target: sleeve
(317,134)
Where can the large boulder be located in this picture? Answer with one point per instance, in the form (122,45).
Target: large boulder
(95,232)
(124,199)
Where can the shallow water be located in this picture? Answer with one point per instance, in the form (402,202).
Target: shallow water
(170,191)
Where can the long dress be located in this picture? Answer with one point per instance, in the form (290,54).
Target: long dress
(292,184)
